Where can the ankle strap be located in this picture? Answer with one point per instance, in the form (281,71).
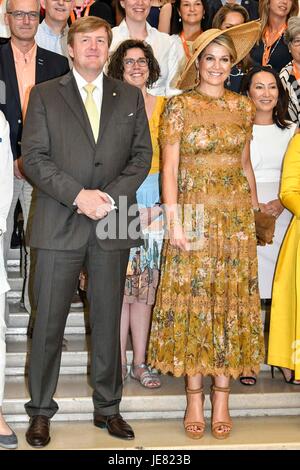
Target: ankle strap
(214,388)
(191,391)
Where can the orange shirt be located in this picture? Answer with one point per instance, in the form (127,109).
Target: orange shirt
(25,69)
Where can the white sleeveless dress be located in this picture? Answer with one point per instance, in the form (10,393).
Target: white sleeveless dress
(267,150)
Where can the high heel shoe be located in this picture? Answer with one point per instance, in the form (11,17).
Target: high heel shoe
(216,428)
(199,425)
(292,378)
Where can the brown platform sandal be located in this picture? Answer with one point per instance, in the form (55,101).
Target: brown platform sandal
(198,424)
(219,434)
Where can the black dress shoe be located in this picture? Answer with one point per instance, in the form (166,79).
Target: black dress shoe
(37,434)
(115,425)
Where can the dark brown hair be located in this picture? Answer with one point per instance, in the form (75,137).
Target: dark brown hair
(116,67)
(221,14)
(280,110)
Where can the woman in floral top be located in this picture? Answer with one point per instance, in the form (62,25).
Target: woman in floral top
(206,319)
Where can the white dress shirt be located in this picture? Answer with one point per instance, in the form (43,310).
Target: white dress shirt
(166,52)
(97,95)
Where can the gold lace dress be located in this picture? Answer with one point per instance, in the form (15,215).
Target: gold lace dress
(207,313)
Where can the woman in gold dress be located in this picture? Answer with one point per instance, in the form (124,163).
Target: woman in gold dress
(206,320)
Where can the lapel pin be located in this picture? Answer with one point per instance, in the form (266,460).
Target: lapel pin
(114,93)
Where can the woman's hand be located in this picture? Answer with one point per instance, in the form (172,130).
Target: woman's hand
(263,207)
(178,238)
(274,208)
(148,215)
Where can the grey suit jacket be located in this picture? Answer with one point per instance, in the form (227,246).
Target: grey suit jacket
(61,157)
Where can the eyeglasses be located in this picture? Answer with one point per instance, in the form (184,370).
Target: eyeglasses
(129,63)
(296,42)
(20,15)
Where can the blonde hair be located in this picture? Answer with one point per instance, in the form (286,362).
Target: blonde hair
(264,11)
(225,41)
(88,24)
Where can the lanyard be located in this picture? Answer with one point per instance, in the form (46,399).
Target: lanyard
(86,5)
(269,41)
(185,45)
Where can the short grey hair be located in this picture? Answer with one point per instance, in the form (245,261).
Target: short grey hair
(8,7)
(293,29)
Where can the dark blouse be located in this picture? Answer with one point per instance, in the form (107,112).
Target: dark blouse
(153,17)
(102,10)
(279,56)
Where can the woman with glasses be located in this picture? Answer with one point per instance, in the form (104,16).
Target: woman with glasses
(135,63)
(8,439)
(166,52)
(290,74)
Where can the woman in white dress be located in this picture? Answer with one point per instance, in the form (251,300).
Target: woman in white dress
(8,438)
(271,136)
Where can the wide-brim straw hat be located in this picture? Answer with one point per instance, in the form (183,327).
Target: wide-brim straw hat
(244,37)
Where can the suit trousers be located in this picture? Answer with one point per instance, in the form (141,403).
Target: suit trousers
(56,277)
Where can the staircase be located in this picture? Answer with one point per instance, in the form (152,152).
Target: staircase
(268,398)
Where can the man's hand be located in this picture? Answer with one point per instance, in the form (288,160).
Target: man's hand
(18,168)
(93,203)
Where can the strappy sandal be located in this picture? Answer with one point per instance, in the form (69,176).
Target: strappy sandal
(216,430)
(199,425)
(147,377)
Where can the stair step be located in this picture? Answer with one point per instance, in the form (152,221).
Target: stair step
(74,397)
(77,322)
(75,355)
(14,254)
(251,433)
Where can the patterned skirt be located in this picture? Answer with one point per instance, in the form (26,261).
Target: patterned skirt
(144,261)
(206,318)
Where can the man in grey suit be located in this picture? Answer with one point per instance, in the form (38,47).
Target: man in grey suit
(80,170)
